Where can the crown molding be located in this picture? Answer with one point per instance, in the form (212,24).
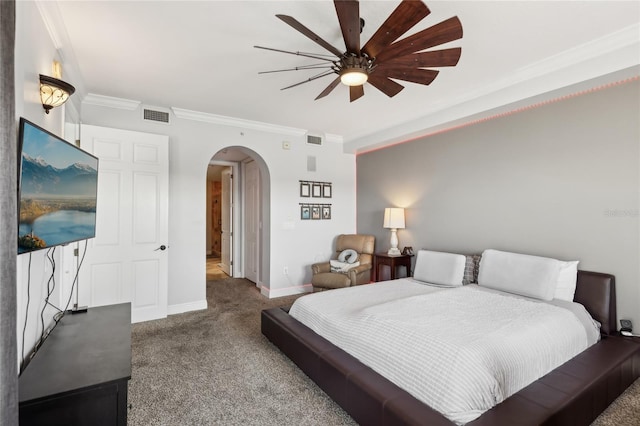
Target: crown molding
(330,137)
(595,51)
(111,102)
(613,57)
(186,114)
(52,19)
(610,53)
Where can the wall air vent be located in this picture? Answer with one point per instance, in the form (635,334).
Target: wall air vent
(155,115)
(314,140)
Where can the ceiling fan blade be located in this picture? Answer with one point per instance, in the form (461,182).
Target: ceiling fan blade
(349,17)
(301,68)
(385,85)
(414,75)
(444,32)
(307,32)
(402,19)
(434,58)
(307,55)
(329,88)
(356,92)
(315,77)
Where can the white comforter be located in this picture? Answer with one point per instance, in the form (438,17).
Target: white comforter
(460,351)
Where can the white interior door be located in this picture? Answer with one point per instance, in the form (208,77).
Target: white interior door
(252,221)
(226,213)
(128,260)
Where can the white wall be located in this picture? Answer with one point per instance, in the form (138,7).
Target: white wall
(294,243)
(35,54)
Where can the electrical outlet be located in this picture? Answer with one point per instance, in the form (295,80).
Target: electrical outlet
(285,270)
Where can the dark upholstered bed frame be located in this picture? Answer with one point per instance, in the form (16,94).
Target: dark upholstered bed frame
(573,394)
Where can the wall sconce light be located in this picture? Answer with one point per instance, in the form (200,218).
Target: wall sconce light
(54,92)
(394,219)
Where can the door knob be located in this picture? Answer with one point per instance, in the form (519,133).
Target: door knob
(162,248)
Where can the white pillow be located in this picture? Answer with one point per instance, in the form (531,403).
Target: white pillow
(440,268)
(337,266)
(566,285)
(531,276)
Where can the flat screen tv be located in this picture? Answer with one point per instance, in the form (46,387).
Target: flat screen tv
(57,190)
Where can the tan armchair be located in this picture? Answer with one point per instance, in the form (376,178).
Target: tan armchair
(364,245)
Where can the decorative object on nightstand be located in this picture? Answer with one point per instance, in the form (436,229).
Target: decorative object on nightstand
(626,328)
(394,220)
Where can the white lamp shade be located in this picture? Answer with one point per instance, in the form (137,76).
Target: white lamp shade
(394,218)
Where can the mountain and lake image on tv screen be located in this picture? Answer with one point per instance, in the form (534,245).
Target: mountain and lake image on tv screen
(58,189)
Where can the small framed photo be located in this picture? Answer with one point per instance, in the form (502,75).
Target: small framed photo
(305,189)
(317,190)
(326,212)
(315,212)
(326,190)
(305,212)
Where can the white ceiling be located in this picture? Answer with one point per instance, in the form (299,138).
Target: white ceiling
(199,56)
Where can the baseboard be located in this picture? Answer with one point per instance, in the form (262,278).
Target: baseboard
(186,307)
(286,291)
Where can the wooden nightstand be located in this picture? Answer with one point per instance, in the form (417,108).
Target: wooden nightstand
(392,262)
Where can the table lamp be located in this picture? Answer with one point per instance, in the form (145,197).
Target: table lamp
(394,219)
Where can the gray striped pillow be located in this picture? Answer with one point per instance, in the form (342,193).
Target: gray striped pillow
(471,268)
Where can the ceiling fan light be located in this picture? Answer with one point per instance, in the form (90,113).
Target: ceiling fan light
(354,77)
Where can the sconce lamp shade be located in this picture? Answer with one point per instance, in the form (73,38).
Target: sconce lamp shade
(54,92)
(394,218)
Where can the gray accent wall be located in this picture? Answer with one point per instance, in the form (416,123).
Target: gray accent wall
(561,180)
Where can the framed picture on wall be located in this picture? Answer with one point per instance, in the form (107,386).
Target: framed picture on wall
(305,189)
(305,212)
(315,212)
(326,190)
(326,212)
(316,189)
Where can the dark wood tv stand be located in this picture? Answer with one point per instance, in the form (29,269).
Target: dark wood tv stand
(79,376)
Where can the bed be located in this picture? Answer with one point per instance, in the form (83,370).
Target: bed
(573,393)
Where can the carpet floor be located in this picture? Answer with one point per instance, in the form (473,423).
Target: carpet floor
(214,367)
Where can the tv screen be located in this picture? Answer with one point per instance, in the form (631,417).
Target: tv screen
(58,185)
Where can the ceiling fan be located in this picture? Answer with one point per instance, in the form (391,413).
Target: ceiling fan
(384,58)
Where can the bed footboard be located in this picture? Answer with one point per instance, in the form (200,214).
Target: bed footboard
(367,396)
(574,393)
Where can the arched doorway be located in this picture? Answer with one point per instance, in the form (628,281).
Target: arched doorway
(238,215)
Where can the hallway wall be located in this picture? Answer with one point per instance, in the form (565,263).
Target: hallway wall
(293,244)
